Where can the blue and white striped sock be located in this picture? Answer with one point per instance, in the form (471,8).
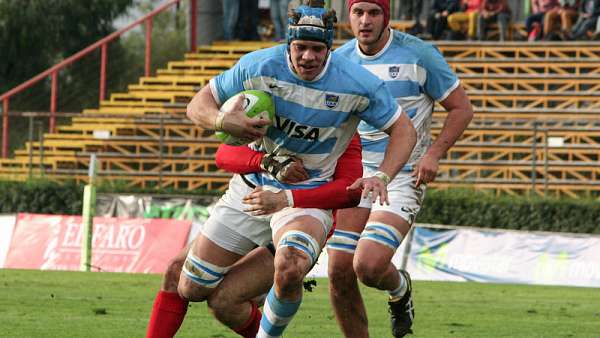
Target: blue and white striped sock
(277,314)
(401,289)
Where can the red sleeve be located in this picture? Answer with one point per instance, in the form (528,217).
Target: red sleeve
(238,159)
(333,195)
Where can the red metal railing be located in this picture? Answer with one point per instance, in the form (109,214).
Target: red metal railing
(53,71)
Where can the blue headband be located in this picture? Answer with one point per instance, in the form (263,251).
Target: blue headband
(309,23)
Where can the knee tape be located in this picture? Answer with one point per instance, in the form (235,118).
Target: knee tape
(383,234)
(343,241)
(301,241)
(203,273)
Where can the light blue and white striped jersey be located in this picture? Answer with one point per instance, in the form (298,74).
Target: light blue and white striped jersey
(315,120)
(417,75)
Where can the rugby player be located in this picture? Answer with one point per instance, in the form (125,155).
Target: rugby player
(367,237)
(320,99)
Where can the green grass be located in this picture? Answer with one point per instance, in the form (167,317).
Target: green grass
(74,304)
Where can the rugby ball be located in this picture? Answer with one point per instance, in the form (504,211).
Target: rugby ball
(257,104)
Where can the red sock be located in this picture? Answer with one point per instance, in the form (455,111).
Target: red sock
(250,328)
(167,315)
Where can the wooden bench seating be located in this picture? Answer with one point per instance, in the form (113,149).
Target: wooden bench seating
(214,65)
(177,79)
(516,30)
(484,68)
(576,50)
(142,137)
(532,84)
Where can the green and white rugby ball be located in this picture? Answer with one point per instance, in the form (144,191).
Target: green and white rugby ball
(257,104)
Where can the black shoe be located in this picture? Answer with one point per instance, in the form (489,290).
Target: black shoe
(402,311)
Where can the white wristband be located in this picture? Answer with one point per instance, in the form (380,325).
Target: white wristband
(290,198)
(219,121)
(382,176)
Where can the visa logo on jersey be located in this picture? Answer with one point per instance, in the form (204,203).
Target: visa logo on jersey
(293,129)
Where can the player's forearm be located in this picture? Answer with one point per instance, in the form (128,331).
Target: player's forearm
(238,159)
(402,140)
(332,195)
(457,121)
(203,109)
(460,114)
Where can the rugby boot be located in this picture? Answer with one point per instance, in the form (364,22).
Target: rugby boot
(402,311)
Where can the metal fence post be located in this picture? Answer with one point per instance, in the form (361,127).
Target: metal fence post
(534,156)
(31,121)
(545,161)
(41,146)
(161,141)
(407,247)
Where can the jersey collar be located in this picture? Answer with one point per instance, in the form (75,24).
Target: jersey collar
(378,54)
(318,77)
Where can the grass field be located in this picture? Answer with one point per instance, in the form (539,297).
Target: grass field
(74,304)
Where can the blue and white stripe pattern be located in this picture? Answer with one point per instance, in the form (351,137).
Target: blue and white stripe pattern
(315,120)
(301,241)
(343,241)
(277,314)
(417,75)
(203,273)
(383,234)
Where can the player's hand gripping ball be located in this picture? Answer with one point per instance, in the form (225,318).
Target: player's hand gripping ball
(257,104)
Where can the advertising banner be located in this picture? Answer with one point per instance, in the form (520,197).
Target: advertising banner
(504,256)
(133,206)
(53,242)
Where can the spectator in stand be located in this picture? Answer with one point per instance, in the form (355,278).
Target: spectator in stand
(247,28)
(533,23)
(410,9)
(437,22)
(564,16)
(231,9)
(588,17)
(279,16)
(493,11)
(596,35)
(464,22)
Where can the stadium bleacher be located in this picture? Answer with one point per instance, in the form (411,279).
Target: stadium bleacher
(536,127)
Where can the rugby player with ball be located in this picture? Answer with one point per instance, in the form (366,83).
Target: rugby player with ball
(319,100)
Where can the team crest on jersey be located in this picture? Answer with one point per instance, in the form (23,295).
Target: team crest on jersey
(394,70)
(331,100)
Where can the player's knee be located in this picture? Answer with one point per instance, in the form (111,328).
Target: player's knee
(199,278)
(340,270)
(290,267)
(297,251)
(369,271)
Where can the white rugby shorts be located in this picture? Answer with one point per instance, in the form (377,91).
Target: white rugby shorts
(404,197)
(234,230)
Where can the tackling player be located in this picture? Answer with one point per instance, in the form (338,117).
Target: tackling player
(231,304)
(367,237)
